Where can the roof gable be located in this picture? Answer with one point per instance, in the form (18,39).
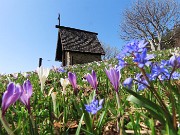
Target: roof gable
(79,40)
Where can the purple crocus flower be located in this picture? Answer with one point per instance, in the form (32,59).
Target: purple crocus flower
(174,61)
(128,82)
(114,76)
(73,81)
(10,96)
(143,58)
(94,106)
(27,92)
(92,80)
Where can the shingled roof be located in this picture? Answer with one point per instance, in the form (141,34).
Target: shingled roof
(72,39)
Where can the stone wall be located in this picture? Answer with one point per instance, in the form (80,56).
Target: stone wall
(80,58)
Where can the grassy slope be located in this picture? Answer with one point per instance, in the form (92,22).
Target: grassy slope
(42,108)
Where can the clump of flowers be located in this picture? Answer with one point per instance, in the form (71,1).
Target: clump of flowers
(13,93)
(10,96)
(150,72)
(58,69)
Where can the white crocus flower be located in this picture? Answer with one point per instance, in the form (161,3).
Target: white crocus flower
(53,95)
(2,74)
(15,75)
(43,74)
(176,52)
(64,83)
(25,74)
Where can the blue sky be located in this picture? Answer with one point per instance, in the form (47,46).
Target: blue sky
(28,28)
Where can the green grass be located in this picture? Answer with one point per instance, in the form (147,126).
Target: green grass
(69,107)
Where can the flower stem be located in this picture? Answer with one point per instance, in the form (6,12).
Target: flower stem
(164,107)
(118,100)
(152,89)
(171,74)
(93,120)
(33,123)
(119,115)
(5,124)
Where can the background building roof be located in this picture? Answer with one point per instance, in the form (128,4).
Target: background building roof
(73,39)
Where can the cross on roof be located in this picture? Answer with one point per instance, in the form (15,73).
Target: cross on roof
(59,19)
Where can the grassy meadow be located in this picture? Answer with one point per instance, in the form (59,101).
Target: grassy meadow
(59,111)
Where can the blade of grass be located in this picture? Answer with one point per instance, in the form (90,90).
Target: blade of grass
(79,126)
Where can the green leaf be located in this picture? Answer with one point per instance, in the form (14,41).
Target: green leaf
(65,115)
(79,126)
(151,122)
(87,132)
(99,125)
(78,107)
(153,108)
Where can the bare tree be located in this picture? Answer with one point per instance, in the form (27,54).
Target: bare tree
(150,20)
(110,52)
(172,38)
